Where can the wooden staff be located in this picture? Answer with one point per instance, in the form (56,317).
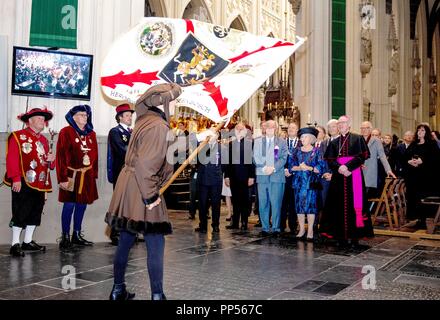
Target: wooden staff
(190,158)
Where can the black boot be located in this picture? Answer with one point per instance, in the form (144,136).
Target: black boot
(16,251)
(158,296)
(114,237)
(65,243)
(79,240)
(119,293)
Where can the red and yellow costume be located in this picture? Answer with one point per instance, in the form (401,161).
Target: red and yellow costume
(25,158)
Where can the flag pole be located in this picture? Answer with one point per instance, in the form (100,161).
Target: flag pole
(190,158)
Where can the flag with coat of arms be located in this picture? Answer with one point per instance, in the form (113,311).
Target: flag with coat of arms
(219,68)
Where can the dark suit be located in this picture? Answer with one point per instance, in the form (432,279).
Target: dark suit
(118,139)
(400,160)
(288,208)
(239,170)
(210,183)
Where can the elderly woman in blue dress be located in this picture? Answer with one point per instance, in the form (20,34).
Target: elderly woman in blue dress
(307,166)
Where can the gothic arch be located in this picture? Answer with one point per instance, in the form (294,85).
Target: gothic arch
(191,4)
(237,23)
(158,7)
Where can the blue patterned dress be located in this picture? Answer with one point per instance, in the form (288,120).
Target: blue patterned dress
(306,199)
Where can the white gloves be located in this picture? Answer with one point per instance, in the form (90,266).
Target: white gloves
(205,134)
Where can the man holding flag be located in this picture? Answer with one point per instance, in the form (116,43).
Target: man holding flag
(156,64)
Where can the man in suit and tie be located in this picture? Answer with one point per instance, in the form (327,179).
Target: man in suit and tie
(118,139)
(240,175)
(288,209)
(270,156)
(401,163)
(210,182)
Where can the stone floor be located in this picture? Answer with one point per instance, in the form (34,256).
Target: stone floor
(234,266)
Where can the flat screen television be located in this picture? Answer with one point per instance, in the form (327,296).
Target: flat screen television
(52,74)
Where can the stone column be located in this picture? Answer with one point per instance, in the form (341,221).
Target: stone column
(353,89)
(313,62)
(404,93)
(380,71)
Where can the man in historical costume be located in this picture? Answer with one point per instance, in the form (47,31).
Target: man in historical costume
(118,139)
(346,217)
(77,171)
(136,205)
(28,160)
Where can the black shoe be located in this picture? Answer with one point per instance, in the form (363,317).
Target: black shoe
(158,296)
(302,238)
(276,234)
(264,233)
(33,246)
(119,292)
(232,227)
(201,230)
(65,243)
(343,244)
(310,239)
(78,239)
(216,229)
(421,224)
(16,251)
(244,226)
(114,241)
(258,225)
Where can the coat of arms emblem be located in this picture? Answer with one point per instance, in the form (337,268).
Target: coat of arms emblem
(156,39)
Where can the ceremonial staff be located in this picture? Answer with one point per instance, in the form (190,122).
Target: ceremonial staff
(52,135)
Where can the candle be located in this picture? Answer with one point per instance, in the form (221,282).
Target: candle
(310,118)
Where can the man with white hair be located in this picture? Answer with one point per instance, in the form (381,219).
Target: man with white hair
(370,168)
(346,215)
(270,156)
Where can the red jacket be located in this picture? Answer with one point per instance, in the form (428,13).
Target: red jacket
(26,158)
(70,155)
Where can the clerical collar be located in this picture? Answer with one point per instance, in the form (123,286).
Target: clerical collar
(333,138)
(123,125)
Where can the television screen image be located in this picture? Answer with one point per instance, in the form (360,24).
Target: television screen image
(52,73)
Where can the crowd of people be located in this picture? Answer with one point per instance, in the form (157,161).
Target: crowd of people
(300,178)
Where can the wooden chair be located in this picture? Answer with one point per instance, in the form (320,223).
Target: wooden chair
(399,195)
(385,200)
(432,225)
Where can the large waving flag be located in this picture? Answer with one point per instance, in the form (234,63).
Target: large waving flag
(219,68)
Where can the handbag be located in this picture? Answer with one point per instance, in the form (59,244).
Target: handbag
(71,182)
(315,182)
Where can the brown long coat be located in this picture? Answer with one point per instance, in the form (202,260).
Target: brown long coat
(146,170)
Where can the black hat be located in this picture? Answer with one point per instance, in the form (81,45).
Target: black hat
(309,130)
